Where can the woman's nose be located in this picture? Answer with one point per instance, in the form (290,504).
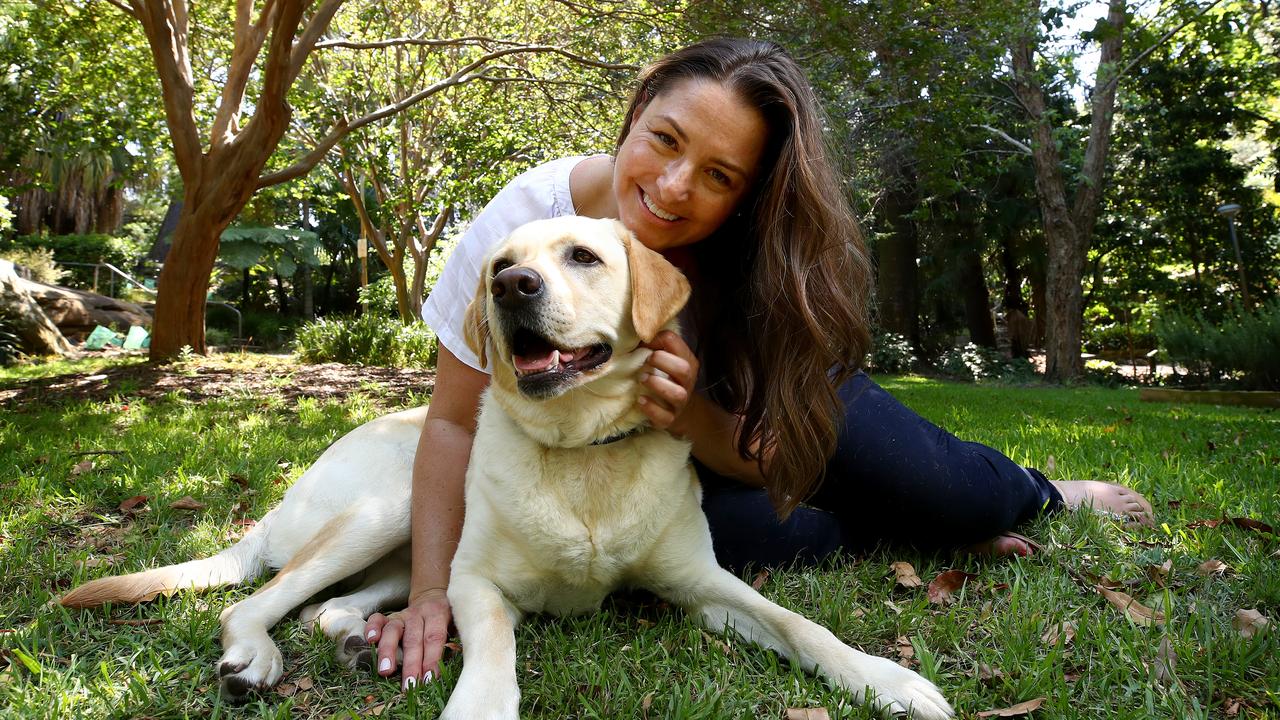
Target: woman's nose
(675,181)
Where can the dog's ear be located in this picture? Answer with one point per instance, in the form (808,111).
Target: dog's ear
(476,324)
(658,289)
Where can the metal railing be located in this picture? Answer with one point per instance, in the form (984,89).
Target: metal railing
(115,271)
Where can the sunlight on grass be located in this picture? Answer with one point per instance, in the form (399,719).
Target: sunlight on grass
(59,526)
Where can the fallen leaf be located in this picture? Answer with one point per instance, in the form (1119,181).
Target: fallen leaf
(1174,504)
(1212,567)
(186,502)
(286,689)
(943,587)
(1249,623)
(904,648)
(1231,708)
(646,702)
(760,579)
(1018,710)
(82,467)
(1243,523)
(818,713)
(1158,573)
(906,574)
(1167,664)
(1132,609)
(987,673)
(94,561)
(305,683)
(1064,631)
(889,604)
(136,623)
(131,504)
(240,480)
(376,710)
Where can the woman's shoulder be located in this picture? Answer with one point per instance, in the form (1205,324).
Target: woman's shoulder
(542,191)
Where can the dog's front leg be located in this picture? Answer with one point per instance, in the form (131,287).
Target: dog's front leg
(721,601)
(486,621)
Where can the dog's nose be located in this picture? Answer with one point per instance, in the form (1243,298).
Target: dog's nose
(515,286)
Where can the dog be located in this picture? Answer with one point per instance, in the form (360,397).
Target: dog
(569,496)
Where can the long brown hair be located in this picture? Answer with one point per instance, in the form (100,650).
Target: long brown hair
(782,298)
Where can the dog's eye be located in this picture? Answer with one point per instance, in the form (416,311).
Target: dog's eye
(583,256)
(500,264)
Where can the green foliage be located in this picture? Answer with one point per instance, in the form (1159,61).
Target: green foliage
(370,339)
(10,343)
(891,354)
(279,250)
(975,363)
(6,216)
(39,261)
(1242,349)
(124,253)
(379,297)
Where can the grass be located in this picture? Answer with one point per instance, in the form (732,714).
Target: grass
(639,658)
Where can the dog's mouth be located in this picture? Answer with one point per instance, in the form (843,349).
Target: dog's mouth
(535,357)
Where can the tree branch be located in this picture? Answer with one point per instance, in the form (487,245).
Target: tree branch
(474,40)
(316,27)
(1022,147)
(124,8)
(1152,48)
(459,77)
(248,43)
(165,26)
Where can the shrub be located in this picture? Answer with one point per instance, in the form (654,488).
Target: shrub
(124,253)
(1244,348)
(369,340)
(891,354)
(974,362)
(39,261)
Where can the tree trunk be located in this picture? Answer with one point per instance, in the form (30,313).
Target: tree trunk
(897,296)
(184,283)
(977,301)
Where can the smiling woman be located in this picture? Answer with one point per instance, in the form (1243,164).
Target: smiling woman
(721,166)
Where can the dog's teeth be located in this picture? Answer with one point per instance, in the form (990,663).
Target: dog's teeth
(555,360)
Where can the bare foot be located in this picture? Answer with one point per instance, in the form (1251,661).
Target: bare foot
(1005,545)
(1106,497)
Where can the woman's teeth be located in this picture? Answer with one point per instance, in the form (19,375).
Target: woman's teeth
(653,208)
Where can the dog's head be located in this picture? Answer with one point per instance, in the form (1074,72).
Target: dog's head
(561,299)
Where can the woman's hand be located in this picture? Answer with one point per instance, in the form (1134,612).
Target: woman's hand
(420,630)
(670,396)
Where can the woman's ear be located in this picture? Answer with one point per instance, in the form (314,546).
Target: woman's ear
(475,326)
(658,289)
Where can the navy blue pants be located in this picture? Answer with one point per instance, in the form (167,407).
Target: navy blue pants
(895,477)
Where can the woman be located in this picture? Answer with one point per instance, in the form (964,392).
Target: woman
(720,166)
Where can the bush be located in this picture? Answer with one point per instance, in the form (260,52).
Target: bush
(974,362)
(891,354)
(1245,349)
(369,340)
(124,253)
(38,261)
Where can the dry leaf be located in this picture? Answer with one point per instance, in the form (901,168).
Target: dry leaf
(1018,710)
(904,649)
(305,683)
(1232,707)
(1064,631)
(760,579)
(1212,567)
(646,702)
(82,467)
(376,710)
(818,713)
(1132,609)
(240,480)
(1241,522)
(286,689)
(131,504)
(136,623)
(906,574)
(987,673)
(186,502)
(896,610)
(943,587)
(1158,573)
(1249,623)
(1167,664)
(94,561)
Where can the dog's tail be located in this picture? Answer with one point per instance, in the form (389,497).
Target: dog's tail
(241,562)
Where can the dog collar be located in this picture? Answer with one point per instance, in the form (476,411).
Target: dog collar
(621,436)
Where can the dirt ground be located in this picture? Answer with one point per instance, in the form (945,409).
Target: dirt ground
(218,376)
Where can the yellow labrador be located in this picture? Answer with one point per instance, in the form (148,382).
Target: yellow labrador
(569,495)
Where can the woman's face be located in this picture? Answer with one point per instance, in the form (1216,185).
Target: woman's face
(693,152)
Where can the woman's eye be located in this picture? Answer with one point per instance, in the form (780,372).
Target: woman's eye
(583,256)
(500,265)
(664,138)
(719,177)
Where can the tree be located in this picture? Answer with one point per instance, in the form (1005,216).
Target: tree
(224,163)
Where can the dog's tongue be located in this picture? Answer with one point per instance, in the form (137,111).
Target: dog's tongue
(537,363)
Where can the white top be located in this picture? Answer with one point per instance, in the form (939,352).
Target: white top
(540,193)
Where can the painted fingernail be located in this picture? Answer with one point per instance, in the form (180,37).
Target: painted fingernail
(384,665)
(410,681)
(642,400)
(428,677)
(369,635)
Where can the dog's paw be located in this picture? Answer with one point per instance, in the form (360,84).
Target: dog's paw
(473,701)
(899,692)
(355,652)
(247,668)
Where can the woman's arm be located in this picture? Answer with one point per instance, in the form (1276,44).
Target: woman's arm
(439,473)
(677,408)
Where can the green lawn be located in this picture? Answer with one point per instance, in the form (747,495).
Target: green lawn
(60,524)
